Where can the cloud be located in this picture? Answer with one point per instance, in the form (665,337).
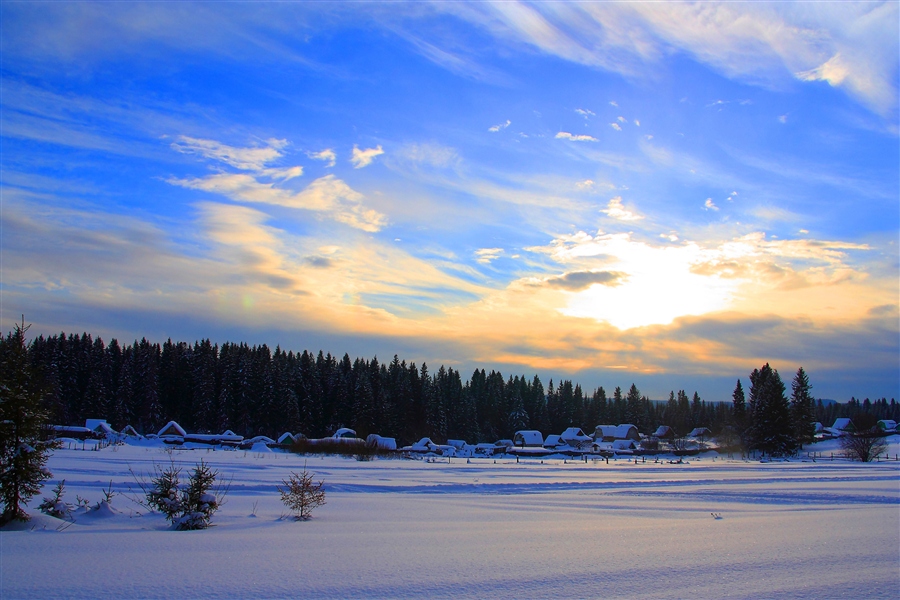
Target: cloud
(613,103)
(326,195)
(486,255)
(326,155)
(615,126)
(710,205)
(565,135)
(849,45)
(497,128)
(783,119)
(254,158)
(637,123)
(616,210)
(363,158)
(585,112)
(580,280)
(585,185)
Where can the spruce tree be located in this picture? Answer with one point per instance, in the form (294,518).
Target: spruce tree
(23,455)
(802,409)
(772,428)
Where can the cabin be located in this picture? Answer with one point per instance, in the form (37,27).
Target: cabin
(503,445)
(843,424)
(624,446)
(486,449)
(553,441)
(458,444)
(700,432)
(172,430)
(287,438)
(887,426)
(664,432)
(528,438)
(374,440)
(100,428)
(608,433)
(130,431)
(575,437)
(344,433)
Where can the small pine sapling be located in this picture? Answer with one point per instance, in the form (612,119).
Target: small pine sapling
(55,506)
(198,503)
(162,494)
(301,494)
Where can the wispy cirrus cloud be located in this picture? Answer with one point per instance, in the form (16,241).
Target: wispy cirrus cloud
(363,158)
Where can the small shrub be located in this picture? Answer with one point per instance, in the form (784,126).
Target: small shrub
(189,508)
(198,503)
(301,494)
(55,506)
(864,445)
(162,494)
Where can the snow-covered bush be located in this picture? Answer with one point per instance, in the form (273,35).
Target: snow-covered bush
(55,506)
(163,492)
(301,494)
(198,503)
(188,508)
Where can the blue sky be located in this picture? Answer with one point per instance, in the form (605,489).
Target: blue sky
(667,194)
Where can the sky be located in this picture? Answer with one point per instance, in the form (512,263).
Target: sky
(666,194)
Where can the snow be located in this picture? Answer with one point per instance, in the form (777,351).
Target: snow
(490,527)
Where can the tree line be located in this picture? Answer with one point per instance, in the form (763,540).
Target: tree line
(254,390)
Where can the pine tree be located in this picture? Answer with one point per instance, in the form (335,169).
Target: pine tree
(23,455)
(739,411)
(772,429)
(802,409)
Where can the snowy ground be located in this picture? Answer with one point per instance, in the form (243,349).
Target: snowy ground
(403,528)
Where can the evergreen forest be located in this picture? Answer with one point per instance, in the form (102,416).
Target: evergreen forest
(253,390)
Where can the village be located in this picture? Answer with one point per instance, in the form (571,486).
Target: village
(605,441)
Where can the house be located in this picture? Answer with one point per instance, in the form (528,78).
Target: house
(700,432)
(423,446)
(608,433)
(664,432)
(575,437)
(172,430)
(344,433)
(843,424)
(260,439)
(503,445)
(458,444)
(624,446)
(529,438)
(486,449)
(100,427)
(887,426)
(228,438)
(287,438)
(130,431)
(553,441)
(817,427)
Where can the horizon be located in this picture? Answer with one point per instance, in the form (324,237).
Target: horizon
(666,195)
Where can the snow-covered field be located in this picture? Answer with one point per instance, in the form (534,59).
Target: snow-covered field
(479,528)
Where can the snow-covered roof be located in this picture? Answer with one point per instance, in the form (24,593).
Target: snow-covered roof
(528,437)
(129,430)
(212,437)
(172,429)
(817,427)
(574,433)
(98,425)
(699,431)
(553,440)
(624,445)
(344,432)
(457,443)
(287,438)
(260,439)
(625,431)
(228,432)
(663,431)
(843,423)
(887,424)
(384,443)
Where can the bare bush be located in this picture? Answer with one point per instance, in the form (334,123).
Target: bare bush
(864,446)
(301,494)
